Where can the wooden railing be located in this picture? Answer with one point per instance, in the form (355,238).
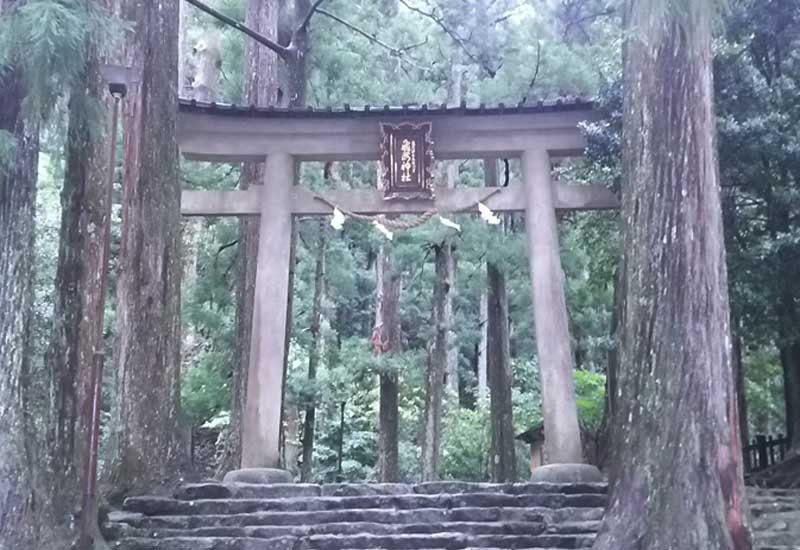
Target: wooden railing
(764,451)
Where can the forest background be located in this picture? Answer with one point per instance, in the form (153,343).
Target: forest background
(448,51)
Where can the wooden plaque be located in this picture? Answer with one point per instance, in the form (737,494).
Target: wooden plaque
(407,161)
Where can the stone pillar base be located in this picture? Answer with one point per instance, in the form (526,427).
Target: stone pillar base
(567,473)
(262,476)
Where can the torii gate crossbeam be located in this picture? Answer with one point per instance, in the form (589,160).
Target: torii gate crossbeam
(280,138)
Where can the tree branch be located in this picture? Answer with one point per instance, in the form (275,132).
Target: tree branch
(371,37)
(307,19)
(460,41)
(393,50)
(536,71)
(507,15)
(579,20)
(222,248)
(282,51)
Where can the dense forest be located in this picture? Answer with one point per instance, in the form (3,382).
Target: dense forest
(451,305)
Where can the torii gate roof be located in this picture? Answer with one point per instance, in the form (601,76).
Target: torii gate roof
(232,133)
(346,111)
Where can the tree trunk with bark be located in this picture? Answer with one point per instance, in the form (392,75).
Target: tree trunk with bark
(18,173)
(730,225)
(605,438)
(208,61)
(79,300)
(448,273)
(741,381)
(184,73)
(314,355)
(386,339)
(145,444)
(297,64)
(443,359)
(788,338)
(503,463)
(678,476)
(483,325)
(296,83)
(790,361)
(448,262)
(261,88)
(437,365)
(498,353)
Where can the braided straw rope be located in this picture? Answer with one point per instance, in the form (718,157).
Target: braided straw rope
(402,225)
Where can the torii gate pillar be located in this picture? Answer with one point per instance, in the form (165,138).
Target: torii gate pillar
(263,402)
(559,407)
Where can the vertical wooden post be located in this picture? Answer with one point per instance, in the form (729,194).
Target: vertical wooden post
(763,460)
(262,417)
(559,407)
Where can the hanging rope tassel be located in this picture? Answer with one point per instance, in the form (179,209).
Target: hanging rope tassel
(401,224)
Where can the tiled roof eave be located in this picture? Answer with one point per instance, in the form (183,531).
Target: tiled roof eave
(565,104)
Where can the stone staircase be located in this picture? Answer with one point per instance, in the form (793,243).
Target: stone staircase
(448,515)
(337,517)
(775,515)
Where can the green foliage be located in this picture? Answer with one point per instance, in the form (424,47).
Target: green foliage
(764,387)
(465,443)
(503,51)
(590,388)
(204,388)
(49,41)
(359,71)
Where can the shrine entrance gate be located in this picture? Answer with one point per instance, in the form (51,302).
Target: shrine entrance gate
(536,134)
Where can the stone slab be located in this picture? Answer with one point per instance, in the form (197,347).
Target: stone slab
(264,476)
(567,473)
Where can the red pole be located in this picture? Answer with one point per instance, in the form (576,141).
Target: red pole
(89,502)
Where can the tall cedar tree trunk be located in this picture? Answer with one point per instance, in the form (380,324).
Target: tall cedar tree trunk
(18,175)
(145,444)
(184,79)
(314,353)
(387,330)
(443,359)
(790,361)
(296,85)
(729,222)
(788,316)
(208,59)
(78,295)
(605,437)
(503,457)
(455,93)
(678,477)
(483,325)
(770,46)
(261,88)
(503,465)
(296,74)
(437,365)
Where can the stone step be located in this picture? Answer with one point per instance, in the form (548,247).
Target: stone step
(772,508)
(360,541)
(149,505)
(764,499)
(122,530)
(781,521)
(770,540)
(758,491)
(387,516)
(265,532)
(296,490)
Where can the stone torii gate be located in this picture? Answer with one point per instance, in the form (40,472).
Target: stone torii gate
(281,138)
